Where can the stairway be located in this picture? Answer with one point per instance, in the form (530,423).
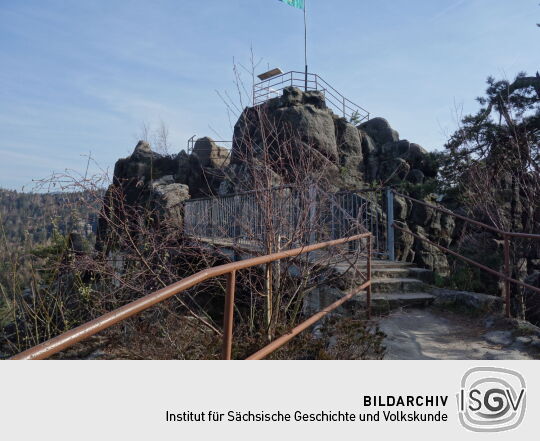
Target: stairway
(394,285)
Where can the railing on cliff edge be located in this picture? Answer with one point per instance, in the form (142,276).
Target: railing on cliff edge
(273,86)
(242,219)
(80,333)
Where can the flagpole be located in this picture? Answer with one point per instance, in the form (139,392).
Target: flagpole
(305,46)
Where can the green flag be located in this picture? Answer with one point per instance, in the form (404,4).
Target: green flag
(296,3)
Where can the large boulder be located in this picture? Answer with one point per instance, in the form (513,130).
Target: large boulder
(202,181)
(143,165)
(403,243)
(293,96)
(349,146)
(401,208)
(371,159)
(313,126)
(148,188)
(210,154)
(282,122)
(167,198)
(393,171)
(285,130)
(428,255)
(380,131)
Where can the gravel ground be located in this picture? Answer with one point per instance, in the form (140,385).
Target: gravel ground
(430,334)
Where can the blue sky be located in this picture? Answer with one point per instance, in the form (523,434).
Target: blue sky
(84,76)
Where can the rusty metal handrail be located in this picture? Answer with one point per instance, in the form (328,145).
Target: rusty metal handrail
(278,343)
(82,332)
(506,235)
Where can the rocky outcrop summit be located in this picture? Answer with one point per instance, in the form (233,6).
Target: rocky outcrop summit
(353,156)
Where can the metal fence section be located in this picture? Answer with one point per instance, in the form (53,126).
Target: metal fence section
(285,216)
(247,218)
(272,88)
(360,213)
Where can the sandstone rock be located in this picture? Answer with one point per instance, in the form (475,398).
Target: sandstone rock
(371,160)
(501,338)
(168,197)
(392,150)
(475,302)
(247,137)
(292,96)
(416,156)
(394,170)
(143,165)
(210,154)
(202,181)
(315,98)
(422,215)
(368,145)
(314,127)
(297,123)
(349,146)
(401,208)
(416,176)
(427,255)
(447,223)
(524,340)
(380,131)
(403,243)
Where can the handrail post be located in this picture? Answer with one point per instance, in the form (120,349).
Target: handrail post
(368,291)
(507,273)
(228,316)
(390,224)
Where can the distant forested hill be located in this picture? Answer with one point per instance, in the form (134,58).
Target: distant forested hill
(32,225)
(30,219)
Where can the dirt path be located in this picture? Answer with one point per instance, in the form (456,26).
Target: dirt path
(429,334)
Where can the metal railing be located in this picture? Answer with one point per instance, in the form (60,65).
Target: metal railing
(191,143)
(295,216)
(272,88)
(80,333)
(506,235)
(351,211)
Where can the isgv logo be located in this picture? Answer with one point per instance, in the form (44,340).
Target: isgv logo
(491,399)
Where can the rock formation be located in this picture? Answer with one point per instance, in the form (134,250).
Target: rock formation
(354,157)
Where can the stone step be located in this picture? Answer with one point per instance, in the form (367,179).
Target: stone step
(380,272)
(396,284)
(381,269)
(422,274)
(376,264)
(384,302)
